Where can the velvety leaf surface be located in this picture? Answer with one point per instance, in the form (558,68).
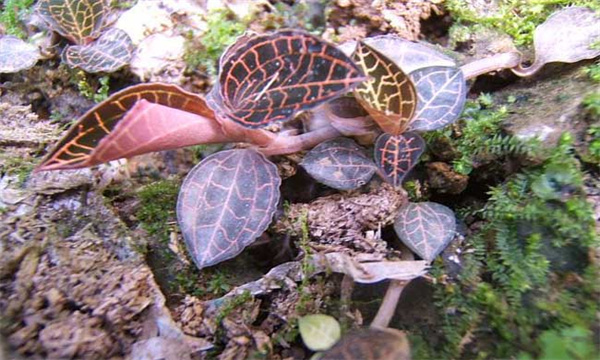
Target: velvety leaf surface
(80,21)
(371,344)
(225,203)
(270,78)
(426,228)
(110,52)
(442,94)
(75,149)
(319,331)
(566,36)
(407,55)
(339,163)
(397,155)
(16,54)
(389,95)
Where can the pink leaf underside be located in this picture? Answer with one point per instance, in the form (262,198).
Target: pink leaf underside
(150,127)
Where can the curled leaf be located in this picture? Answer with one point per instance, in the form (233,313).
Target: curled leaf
(407,55)
(397,155)
(371,343)
(16,54)
(339,163)
(266,79)
(426,228)
(389,95)
(225,203)
(78,147)
(569,35)
(80,21)
(110,52)
(319,332)
(442,94)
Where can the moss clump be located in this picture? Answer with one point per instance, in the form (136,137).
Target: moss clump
(20,167)
(222,31)
(593,72)
(11,15)
(528,272)
(516,18)
(477,137)
(157,208)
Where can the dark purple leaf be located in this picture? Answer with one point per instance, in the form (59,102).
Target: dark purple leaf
(110,52)
(80,21)
(339,163)
(426,228)
(442,94)
(225,203)
(266,79)
(397,155)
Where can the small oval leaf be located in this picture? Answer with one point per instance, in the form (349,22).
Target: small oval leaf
(339,163)
(568,35)
(110,52)
(389,95)
(16,54)
(270,78)
(442,94)
(225,203)
(319,332)
(397,155)
(426,228)
(371,343)
(76,20)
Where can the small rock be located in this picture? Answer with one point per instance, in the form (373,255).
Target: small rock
(444,179)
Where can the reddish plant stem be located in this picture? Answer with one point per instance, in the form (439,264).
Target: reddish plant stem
(388,305)
(283,145)
(501,61)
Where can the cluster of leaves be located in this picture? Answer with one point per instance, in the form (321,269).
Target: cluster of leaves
(84,24)
(517,18)
(516,280)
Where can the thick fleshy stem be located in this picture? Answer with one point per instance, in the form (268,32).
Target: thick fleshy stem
(283,145)
(501,61)
(388,305)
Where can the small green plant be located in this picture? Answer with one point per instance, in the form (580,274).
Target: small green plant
(98,93)
(222,31)
(593,71)
(516,18)
(11,15)
(594,144)
(157,202)
(592,104)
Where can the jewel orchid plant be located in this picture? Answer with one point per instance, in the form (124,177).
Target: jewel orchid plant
(383,89)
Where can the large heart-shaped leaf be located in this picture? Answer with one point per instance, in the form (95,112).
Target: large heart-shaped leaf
(225,203)
(426,228)
(442,94)
(76,148)
(370,343)
(389,95)
(110,52)
(339,163)
(569,35)
(16,54)
(407,55)
(80,21)
(270,78)
(397,155)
